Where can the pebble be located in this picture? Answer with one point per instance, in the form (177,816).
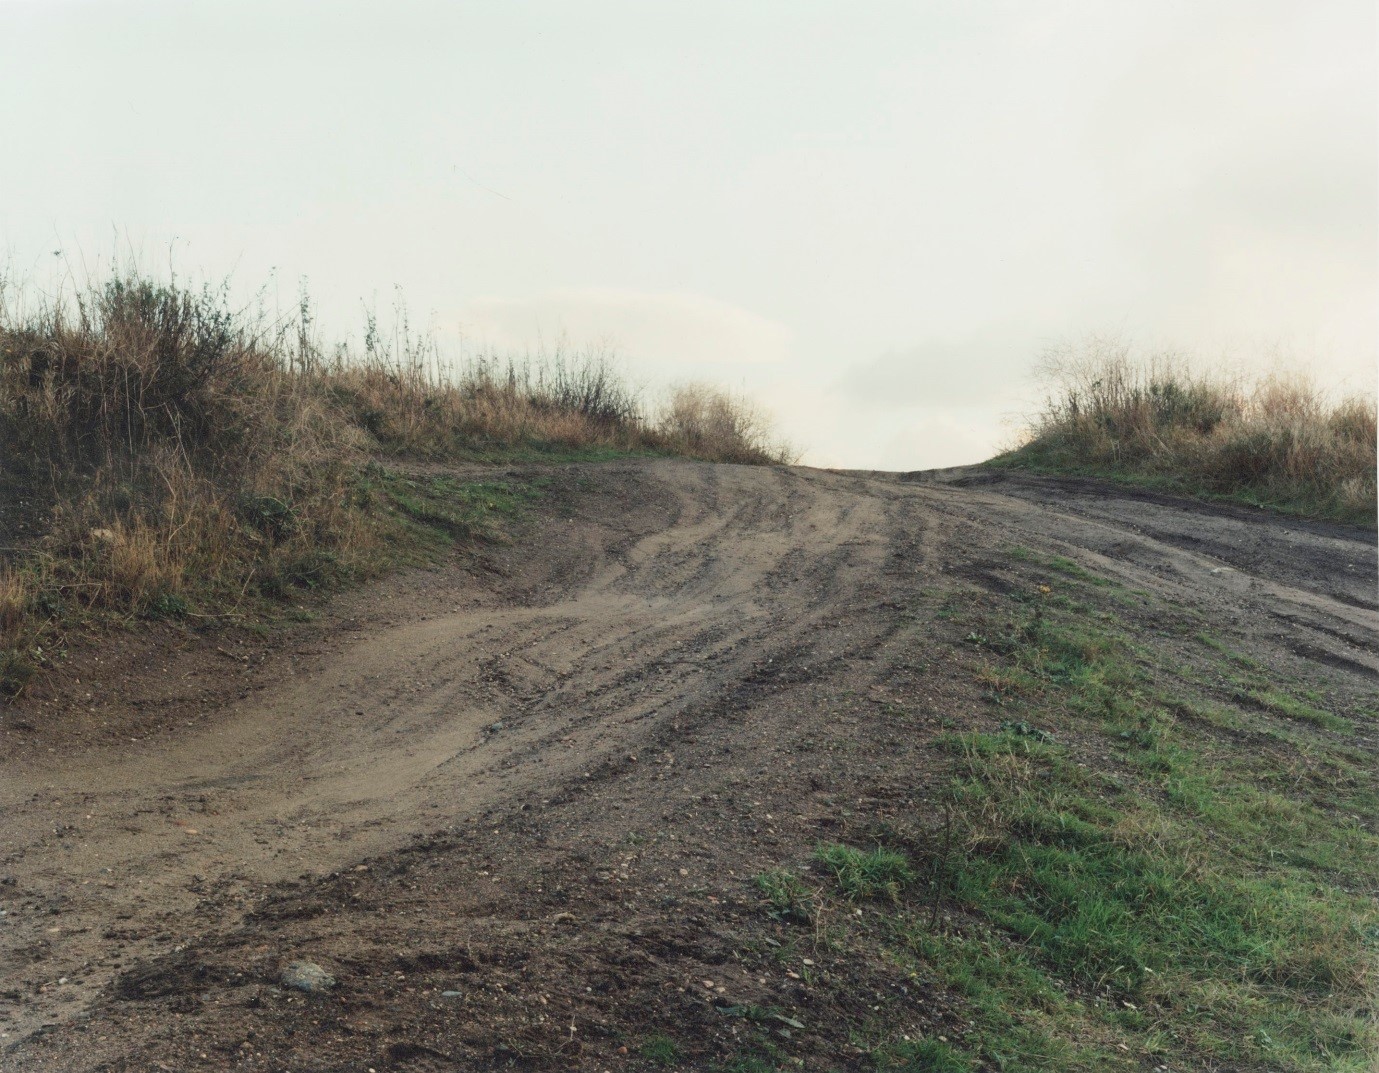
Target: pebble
(307,976)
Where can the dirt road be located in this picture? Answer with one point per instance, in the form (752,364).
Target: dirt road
(525,767)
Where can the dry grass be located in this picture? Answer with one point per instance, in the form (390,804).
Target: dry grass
(1278,441)
(170,448)
(14,600)
(702,421)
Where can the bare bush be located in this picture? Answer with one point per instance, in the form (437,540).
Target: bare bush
(705,422)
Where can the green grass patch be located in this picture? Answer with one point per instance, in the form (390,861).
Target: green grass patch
(786,895)
(1145,868)
(1113,894)
(662,1050)
(1023,1020)
(874,873)
(1072,569)
(1194,894)
(443,509)
(921,1056)
(1281,703)
(1217,645)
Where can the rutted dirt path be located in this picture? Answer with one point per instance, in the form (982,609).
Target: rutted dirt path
(662,631)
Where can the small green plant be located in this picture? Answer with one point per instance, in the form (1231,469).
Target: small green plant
(167,605)
(787,897)
(660,1049)
(271,516)
(1021,729)
(874,873)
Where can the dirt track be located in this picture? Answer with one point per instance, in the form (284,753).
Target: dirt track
(567,739)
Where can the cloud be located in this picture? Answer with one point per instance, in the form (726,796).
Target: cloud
(918,434)
(1242,157)
(932,439)
(986,369)
(668,335)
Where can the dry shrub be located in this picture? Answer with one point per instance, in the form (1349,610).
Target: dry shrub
(16,630)
(1278,440)
(705,422)
(130,367)
(15,594)
(130,566)
(419,406)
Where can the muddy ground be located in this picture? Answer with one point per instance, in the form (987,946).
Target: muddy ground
(513,803)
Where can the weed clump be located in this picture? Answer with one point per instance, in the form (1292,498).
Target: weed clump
(660,1050)
(786,895)
(922,1056)
(875,873)
(702,421)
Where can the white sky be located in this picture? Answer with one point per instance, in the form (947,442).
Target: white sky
(870,216)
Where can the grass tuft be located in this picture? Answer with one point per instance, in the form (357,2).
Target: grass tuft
(875,873)
(921,1056)
(786,895)
(662,1050)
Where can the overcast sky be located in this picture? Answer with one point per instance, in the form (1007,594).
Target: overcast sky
(870,216)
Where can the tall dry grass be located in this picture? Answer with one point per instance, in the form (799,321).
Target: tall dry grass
(168,448)
(567,400)
(703,421)
(1277,440)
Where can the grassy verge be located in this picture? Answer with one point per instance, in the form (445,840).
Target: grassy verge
(1160,856)
(1278,443)
(166,455)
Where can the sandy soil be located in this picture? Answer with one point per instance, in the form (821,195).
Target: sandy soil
(512,803)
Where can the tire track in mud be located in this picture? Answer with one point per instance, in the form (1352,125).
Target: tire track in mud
(609,639)
(403,728)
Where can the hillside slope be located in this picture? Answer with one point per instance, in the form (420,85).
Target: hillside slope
(574,800)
